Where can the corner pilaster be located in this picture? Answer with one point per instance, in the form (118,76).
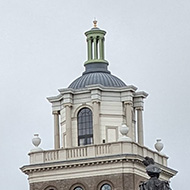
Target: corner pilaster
(128,114)
(68,108)
(96,122)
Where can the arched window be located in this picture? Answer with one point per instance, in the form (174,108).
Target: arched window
(85,127)
(106,187)
(78,188)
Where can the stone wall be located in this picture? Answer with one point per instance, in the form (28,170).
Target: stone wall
(116,181)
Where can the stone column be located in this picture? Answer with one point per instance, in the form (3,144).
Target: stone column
(56,130)
(128,115)
(95,49)
(89,40)
(68,125)
(140,125)
(96,122)
(101,48)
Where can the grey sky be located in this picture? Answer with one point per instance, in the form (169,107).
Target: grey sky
(43,48)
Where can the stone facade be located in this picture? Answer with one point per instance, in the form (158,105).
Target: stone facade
(102,165)
(122,181)
(110,107)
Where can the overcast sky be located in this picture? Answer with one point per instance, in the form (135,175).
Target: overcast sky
(43,48)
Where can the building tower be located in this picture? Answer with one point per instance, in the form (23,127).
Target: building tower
(91,120)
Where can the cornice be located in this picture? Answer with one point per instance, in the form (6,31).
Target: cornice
(66,91)
(112,89)
(98,87)
(54,98)
(106,160)
(28,169)
(89,88)
(140,94)
(72,91)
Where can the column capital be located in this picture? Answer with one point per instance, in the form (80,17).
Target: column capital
(68,105)
(95,101)
(128,102)
(139,108)
(89,38)
(56,112)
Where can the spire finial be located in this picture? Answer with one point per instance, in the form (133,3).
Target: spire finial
(95,23)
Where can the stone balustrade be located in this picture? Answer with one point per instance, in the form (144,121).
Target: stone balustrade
(94,151)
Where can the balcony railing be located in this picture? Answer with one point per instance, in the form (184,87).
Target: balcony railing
(93,151)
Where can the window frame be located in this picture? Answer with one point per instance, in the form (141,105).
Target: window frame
(75,188)
(105,184)
(85,126)
(76,185)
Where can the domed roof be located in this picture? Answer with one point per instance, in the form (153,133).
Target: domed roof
(105,79)
(96,73)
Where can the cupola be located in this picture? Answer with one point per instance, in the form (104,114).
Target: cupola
(96,67)
(95,45)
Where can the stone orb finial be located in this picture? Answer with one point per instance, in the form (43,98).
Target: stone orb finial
(124,129)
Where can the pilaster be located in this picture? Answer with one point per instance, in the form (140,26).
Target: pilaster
(128,114)
(96,122)
(68,108)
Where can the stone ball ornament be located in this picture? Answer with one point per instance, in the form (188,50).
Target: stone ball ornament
(124,129)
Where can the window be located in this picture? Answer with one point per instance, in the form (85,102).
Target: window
(85,127)
(106,187)
(78,188)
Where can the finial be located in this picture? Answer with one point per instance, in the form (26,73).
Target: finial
(36,141)
(124,129)
(159,145)
(95,23)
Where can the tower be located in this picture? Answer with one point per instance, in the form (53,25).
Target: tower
(89,151)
